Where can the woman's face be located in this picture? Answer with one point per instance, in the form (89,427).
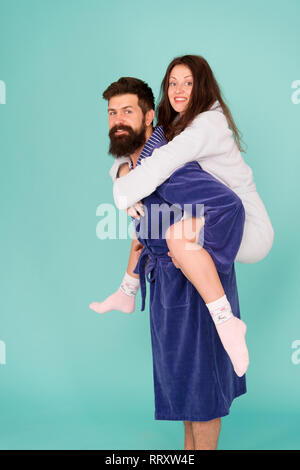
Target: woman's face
(180,88)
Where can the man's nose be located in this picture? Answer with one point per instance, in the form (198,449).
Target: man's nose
(119,119)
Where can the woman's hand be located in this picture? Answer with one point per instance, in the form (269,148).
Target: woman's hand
(136,210)
(123,170)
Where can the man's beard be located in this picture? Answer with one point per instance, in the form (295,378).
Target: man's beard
(126,144)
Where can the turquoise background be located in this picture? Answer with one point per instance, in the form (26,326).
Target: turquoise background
(74,379)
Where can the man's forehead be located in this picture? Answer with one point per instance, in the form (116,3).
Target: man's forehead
(121,101)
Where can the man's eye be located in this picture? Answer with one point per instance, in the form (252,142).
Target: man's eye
(111,113)
(128,111)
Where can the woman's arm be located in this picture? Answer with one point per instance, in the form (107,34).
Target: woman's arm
(116,166)
(208,135)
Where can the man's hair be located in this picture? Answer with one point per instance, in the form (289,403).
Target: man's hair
(133,86)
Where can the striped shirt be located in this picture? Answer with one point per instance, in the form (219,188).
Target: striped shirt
(156,140)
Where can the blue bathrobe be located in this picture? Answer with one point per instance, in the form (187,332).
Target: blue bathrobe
(193,376)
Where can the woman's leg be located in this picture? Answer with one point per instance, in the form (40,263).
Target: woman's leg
(124,298)
(193,260)
(188,436)
(198,266)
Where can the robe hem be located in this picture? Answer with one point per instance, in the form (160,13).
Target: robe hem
(159,416)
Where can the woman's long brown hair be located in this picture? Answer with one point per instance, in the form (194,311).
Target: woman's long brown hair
(205,92)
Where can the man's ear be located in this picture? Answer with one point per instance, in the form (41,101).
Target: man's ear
(149,116)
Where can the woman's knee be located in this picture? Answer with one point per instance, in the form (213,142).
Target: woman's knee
(186,230)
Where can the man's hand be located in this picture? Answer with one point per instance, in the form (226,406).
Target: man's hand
(123,170)
(138,248)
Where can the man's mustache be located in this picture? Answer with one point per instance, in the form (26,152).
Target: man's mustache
(120,128)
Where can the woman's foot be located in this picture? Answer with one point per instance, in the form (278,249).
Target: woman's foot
(117,301)
(232,335)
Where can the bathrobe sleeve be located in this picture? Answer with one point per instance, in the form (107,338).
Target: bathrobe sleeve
(208,135)
(190,187)
(116,165)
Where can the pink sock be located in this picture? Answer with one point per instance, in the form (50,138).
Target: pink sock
(123,299)
(232,332)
